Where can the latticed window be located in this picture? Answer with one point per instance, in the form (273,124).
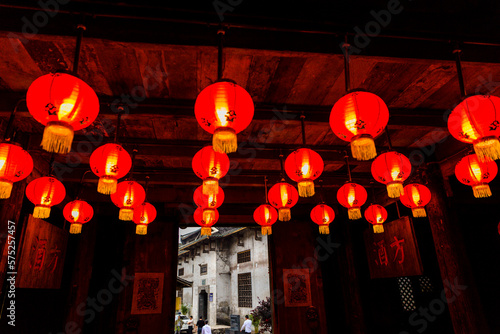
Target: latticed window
(181,272)
(425,284)
(203,269)
(245,290)
(244,256)
(406,292)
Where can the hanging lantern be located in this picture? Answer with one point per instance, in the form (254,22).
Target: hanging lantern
(206,225)
(208,202)
(391,169)
(352,196)
(15,165)
(77,212)
(224,109)
(472,172)
(323,215)
(416,197)
(376,215)
(476,120)
(265,215)
(283,196)
(358,118)
(110,162)
(143,215)
(304,166)
(128,195)
(45,192)
(64,104)
(210,166)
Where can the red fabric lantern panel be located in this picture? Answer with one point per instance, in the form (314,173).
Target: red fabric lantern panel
(45,192)
(472,172)
(143,215)
(15,165)
(304,166)
(416,197)
(358,118)
(352,196)
(476,120)
(64,104)
(323,215)
(283,196)
(110,162)
(212,201)
(206,224)
(128,196)
(224,109)
(77,212)
(265,215)
(376,215)
(210,166)
(392,169)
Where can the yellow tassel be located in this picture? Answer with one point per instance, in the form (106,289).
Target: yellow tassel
(210,186)
(488,147)
(419,212)
(266,230)
(363,148)
(354,213)
(208,215)
(378,228)
(306,188)
(141,229)
(75,228)
(5,189)
(206,231)
(324,229)
(284,214)
(481,190)
(225,140)
(395,189)
(126,214)
(57,138)
(41,212)
(107,185)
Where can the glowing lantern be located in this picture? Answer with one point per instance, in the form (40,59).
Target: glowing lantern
(283,196)
(208,203)
(304,166)
(210,166)
(128,195)
(352,196)
(416,197)
(77,212)
(359,117)
(472,172)
(64,104)
(376,215)
(224,109)
(143,215)
(45,192)
(110,162)
(323,215)
(265,215)
(206,225)
(15,165)
(476,121)
(391,169)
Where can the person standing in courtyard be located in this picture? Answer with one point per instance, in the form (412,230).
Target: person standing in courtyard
(206,329)
(199,325)
(190,324)
(247,325)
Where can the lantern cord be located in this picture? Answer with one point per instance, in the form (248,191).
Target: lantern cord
(348,166)
(51,164)
(265,188)
(460,75)
(130,174)
(80,186)
(374,199)
(397,208)
(81,28)
(322,192)
(118,121)
(281,164)
(389,142)
(220,33)
(146,187)
(8,130)
(347,72)
(303,126)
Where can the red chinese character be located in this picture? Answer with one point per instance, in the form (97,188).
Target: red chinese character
(39,249)
(382,253)
(397,243)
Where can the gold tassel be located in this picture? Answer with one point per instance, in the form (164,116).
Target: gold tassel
(107,185)
(324,229)
(5,189)
(126,214)
(363,148)
(488,147)
(378,228)
(354,213)
(41,212)
(206,231)
(419,212)
(284,214)
(57,138)
(225,140)
(481,190)
(306,188)
(141,229)
(210,186)
(395,189)
(266,230)
(75,228)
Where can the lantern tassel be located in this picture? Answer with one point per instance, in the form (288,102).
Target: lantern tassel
(395,189)
(75,228)
(126,214)
(206,231)
(57,138)
(208,215)
(41,212)
(488,148)
(210,186)
(284,214)
(324,229)
(481,190)
(378,228)
(354,213)
(225,140)
(306,188)
(363,148)
(107,185)
(141,229)
(419,212)
(266,230)
(5,189)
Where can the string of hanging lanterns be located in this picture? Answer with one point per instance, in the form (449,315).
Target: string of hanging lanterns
(144,214)
(78,212)
(265,215)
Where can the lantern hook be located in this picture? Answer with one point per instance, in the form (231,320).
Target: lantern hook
(458,63)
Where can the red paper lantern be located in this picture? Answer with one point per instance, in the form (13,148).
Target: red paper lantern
(376,215)
(392,169)
(208,203)
(128,195)
(304,166)
(359,117)
(15,165)
(477,174)
(265,215)
(476,120)
(77,212)
(323,215)
(143,215)
(352,196)
(45,192)
(64,104)
(283,196)
(206,224)
(110,162)
(210,166)
(224,109)
(416,197)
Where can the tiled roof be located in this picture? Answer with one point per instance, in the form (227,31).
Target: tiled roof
(221,232)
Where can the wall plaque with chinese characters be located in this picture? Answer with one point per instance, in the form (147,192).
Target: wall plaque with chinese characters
(148,293)
(393,253)
(297,286)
